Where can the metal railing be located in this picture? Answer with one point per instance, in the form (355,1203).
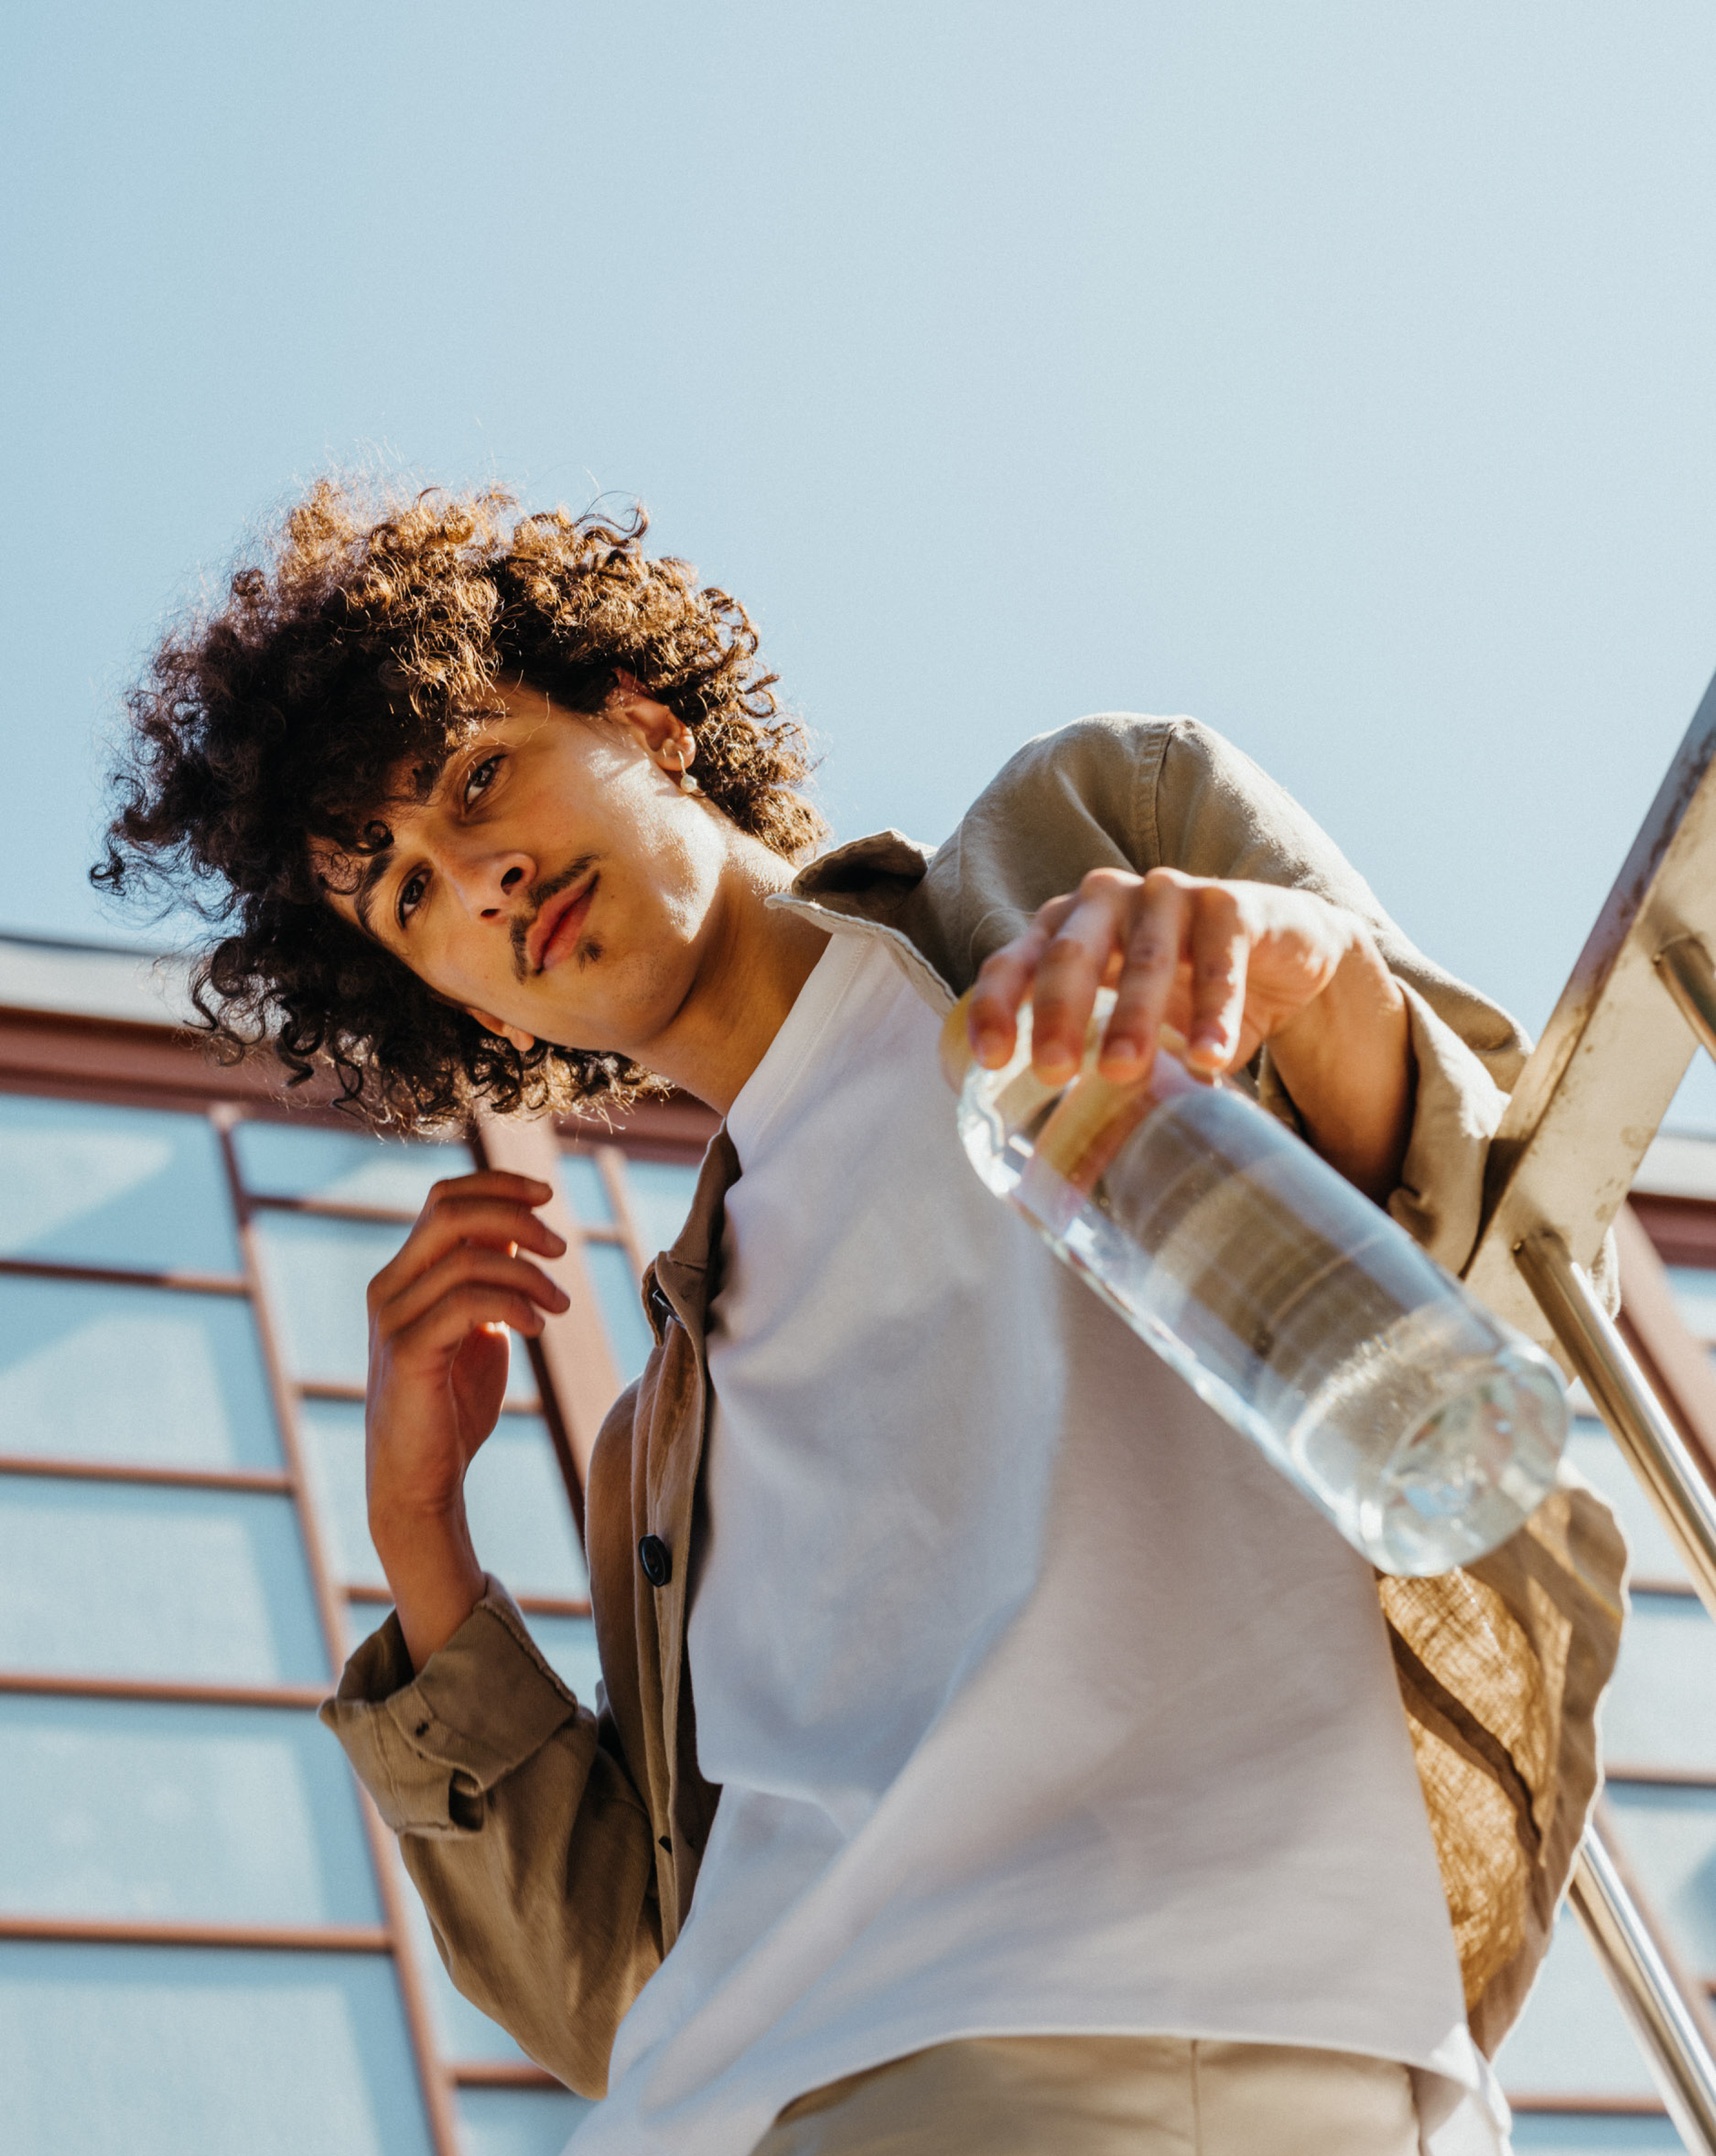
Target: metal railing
(1640,1001)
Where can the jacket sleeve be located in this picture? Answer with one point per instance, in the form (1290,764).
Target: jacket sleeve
(1123,790)
(520,1826)
(1213,811)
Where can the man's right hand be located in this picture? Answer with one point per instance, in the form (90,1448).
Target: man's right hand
(439,1315)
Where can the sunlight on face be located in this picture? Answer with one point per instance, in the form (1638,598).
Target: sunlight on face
(556,883)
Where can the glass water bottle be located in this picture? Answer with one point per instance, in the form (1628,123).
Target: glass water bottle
(1425,1428)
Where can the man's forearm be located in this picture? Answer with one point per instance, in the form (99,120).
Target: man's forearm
(1346,1061)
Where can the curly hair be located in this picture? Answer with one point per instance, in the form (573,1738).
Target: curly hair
(364,643)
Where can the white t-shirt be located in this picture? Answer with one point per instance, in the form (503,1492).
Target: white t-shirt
(1038,1701)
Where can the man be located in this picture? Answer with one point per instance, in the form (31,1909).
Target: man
(995,1755)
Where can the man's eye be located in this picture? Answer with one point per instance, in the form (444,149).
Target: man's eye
(411,893)
(481,778)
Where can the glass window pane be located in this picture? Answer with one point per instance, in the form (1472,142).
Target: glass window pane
(345,1168)
(319,1271)
(585,1193)
(568,1646)
(1573,2037)
(659,1193)
(521,1517)
(1543,2133)
(176,2051)
(1669,1835)
(70,1359)
(621,1300)
(495,2122)
(93,1185)
(135,1809)
(1661,1711)
(1595,1454)
(112,1580)
(333,1444)
(1695,1298)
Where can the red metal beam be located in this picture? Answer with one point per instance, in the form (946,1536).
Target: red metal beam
(256,1480)
(139,1932)
(533,1605)
(122,1276)
(502,2073)
(160,1691)
(389,1872)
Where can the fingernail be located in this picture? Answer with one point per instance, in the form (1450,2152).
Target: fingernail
(991,1043)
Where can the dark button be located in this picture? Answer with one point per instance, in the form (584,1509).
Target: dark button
(656,1559)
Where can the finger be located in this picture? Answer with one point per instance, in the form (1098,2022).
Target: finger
(1220,950)
(483,1219)
(488,1182)
(1070,971)
(1155,939)
(469,1308)
(469,1262)
(1003,981)
(476,1220)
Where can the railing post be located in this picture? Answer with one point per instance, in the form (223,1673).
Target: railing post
(1651,1444)
(1690,978)
(1668,2028)
(1671,2027)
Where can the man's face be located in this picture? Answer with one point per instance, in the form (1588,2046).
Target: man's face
(556,883)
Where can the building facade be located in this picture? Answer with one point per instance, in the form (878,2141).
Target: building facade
(206,1939)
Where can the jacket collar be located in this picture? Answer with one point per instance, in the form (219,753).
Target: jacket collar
(864,873)
(869,887)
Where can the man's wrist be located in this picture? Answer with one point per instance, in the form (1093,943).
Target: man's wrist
(432,1569)
(1346,1062)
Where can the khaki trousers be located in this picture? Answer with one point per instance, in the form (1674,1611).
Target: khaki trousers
(1107,2096)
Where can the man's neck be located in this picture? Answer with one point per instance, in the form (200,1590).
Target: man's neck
(760,959)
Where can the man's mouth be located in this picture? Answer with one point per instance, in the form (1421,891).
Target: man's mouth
(554,933)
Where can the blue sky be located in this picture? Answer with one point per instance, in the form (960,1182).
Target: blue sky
(1340,373)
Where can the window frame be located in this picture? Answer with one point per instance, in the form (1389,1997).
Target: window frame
(59,1055)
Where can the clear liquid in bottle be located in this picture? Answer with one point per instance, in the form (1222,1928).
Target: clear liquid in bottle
(1426,1429)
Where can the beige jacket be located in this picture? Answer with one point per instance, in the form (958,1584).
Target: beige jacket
(556,1845)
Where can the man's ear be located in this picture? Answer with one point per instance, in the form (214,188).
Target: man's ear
(522,1041)
(654,724)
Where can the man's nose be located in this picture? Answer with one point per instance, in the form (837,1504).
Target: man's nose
(493,883)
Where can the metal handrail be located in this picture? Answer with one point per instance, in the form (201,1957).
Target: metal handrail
(1667,2031)
(1665,2019)
(1687,974)
(1579,1119)
(1650,1444)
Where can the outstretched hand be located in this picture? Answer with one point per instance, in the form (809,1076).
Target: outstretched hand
(1227,965)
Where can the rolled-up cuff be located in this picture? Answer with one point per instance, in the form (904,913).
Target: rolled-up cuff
(428,1747)
(1456,1110)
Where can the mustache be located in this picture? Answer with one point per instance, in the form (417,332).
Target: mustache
(536,898)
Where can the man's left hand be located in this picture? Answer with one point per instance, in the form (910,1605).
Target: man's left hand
(1227,966)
